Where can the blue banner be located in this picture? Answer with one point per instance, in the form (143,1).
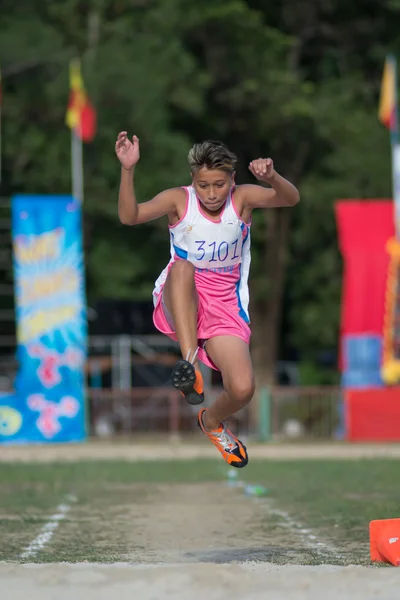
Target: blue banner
(48,405)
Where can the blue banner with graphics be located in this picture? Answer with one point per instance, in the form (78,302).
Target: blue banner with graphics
(48,404)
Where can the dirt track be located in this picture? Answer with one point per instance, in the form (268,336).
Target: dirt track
(251,581)
(161,449)
(190,546)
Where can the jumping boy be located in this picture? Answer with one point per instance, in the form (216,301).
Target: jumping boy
(201,298)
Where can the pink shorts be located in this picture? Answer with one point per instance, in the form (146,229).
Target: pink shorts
(218,312)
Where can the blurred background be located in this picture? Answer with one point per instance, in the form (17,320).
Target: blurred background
(295,80)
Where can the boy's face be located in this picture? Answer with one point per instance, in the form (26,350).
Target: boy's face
(212,187)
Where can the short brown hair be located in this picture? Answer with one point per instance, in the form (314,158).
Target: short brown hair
(212,155)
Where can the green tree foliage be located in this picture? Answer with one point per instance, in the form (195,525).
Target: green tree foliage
(297,81)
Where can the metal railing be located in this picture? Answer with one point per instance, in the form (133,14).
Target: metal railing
(305,412)
(289,412)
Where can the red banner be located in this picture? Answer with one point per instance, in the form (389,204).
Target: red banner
(364,227)
(373,415)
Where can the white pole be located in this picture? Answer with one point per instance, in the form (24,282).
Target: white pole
(394,142)
(396,186)
(77,166)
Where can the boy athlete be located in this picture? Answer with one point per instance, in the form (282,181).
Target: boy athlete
(201,298)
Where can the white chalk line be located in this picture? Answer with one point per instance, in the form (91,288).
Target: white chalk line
(47,531)
(306,535)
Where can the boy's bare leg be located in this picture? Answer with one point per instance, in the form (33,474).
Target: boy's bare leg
(231,355)
(181,300)
(180,297)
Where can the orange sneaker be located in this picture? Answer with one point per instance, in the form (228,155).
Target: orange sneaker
(188,381)
(232,450)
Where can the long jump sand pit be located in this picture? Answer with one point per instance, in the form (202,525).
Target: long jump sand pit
(143,528)
(251,581)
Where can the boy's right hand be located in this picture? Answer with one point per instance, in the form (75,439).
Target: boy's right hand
(127,151)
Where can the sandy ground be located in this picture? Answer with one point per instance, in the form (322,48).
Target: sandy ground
(193,523)
(157,449)
(250,581)
(194,545)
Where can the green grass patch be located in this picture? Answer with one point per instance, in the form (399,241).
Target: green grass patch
(92,530)
(336,499)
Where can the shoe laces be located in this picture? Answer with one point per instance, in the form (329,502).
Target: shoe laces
(226,439)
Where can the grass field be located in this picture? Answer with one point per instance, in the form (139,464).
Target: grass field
(316,511)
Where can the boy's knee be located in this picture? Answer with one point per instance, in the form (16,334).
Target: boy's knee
(241,389)
(182,269)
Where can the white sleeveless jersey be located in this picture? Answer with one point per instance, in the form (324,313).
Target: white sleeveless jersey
(215,247)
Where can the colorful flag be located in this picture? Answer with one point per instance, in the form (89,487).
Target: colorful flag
(388,99)
(81,114)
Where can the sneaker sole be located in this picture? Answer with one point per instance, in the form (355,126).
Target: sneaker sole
(183,378)
(242,464)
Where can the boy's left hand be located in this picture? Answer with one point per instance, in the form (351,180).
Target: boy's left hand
(262,168)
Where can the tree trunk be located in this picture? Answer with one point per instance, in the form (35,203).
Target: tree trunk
(267,312)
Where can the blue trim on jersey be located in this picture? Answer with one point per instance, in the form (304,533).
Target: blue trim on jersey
(247,235)
(179,252)
(242,312)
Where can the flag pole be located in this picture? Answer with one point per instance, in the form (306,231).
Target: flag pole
(77,166)
(81,119)
(391,359)
(395,148)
